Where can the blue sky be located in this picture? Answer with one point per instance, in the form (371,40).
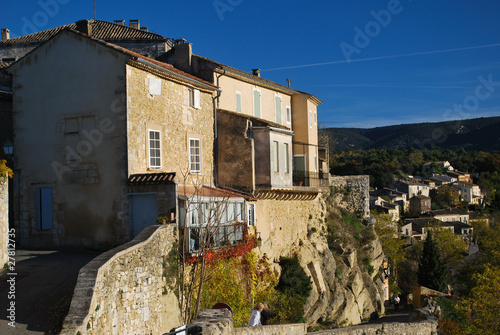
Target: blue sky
(410,61)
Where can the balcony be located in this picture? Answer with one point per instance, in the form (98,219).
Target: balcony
(311,179)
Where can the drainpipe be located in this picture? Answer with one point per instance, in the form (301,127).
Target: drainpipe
(216,145)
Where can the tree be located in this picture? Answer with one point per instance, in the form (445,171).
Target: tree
(431,269)
(4,169)
(392,244)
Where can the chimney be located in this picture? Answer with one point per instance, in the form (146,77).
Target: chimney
(256,72)
(120,22)
(84,27)
(289,81)
(5,34)
(183,53)
(134,24)
(144,29)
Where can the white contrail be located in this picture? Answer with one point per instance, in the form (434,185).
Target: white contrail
(391,86)
(383,57)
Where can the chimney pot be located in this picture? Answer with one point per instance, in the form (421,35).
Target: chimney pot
(120,22)
(179,41)
(144,29)
(256,72)
(5,34)
(134,24)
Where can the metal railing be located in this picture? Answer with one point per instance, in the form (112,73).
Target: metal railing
(311,179)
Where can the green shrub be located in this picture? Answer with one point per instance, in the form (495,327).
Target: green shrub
(293,277)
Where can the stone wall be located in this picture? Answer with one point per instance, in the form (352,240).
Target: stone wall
(428,327)
(220,322)
(352,193)
(4,219)
(126,290)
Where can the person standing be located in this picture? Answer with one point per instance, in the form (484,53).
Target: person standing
(265,315)
(397,300)
(256,314)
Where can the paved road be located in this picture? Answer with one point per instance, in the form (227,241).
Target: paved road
(44,284)
(401,315)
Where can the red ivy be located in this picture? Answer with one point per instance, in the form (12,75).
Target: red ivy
(237,250)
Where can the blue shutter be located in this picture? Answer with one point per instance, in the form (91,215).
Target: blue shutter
(43,199)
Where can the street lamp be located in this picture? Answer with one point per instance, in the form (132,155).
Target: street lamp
(8,147)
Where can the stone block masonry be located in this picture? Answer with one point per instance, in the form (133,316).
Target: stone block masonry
(126,290)
(352,193)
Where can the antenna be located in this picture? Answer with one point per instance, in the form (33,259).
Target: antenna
(94,9)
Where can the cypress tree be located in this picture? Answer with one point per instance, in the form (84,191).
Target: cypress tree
(431,268)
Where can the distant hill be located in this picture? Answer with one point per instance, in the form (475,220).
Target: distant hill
(481,134)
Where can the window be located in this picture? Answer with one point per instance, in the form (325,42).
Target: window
(315,118)
(154,86)
(251,215)
(238,102)
(43,199)
(256,103)
(194,155)
(315,163)
(154,149)
(310,118)
(276,157)
(288,115)
(194,98)
(277,108)
(287,164)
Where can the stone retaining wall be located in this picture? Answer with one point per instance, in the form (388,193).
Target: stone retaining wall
(287,329)
(126,290)
(352,193)
(428,327)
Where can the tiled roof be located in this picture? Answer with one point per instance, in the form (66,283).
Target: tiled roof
(160,64)
(151,178)
(102,30)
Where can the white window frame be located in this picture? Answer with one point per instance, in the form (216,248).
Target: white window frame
(288,115)
(192,164)
(260,102)
(251,214)
(240,109)
(150,157)
(278,114)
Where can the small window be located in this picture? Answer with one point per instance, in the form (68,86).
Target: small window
(310,118)
(194,155)
(315,118)
(251,214)
(287,164)
(277,108)
(154,150)
(256,103)
(238,102)
(276,157)
(43,199)
(194,98)
(288,115)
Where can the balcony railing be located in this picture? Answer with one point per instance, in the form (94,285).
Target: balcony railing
(311,179)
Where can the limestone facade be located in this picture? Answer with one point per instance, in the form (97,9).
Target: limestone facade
(126,290)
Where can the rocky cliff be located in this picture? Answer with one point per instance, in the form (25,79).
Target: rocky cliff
(343,257)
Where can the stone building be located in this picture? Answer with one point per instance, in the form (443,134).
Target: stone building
(101,133)
(286,118)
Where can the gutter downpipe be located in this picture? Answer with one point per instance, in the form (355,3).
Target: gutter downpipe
(216,142)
